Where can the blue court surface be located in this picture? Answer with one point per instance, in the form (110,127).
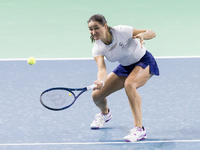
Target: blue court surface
(170,106)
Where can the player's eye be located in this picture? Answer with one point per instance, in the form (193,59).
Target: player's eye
(96,28)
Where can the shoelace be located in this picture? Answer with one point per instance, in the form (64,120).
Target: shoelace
(135,130)
(99,120)
(98,116)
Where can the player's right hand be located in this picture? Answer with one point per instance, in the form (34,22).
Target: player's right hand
(99,84)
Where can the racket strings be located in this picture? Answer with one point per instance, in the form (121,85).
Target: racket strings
(57,99)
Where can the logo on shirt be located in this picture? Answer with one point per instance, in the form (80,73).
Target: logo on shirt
(113,47)
(121,45)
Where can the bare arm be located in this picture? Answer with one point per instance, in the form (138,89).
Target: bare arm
(102,71)
(143,35)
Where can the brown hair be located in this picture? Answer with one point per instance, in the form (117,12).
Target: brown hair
(101,20)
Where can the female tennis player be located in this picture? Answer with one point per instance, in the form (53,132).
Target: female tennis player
(136,66)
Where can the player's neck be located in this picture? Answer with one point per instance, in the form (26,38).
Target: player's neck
(108,38)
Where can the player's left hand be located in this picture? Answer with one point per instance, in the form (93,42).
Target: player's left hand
(141,39)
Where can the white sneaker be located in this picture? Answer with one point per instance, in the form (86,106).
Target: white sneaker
(136,134)
(100,119)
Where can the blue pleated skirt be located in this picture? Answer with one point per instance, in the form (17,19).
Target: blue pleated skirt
(146,60)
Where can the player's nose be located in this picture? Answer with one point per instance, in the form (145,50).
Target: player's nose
(94,32)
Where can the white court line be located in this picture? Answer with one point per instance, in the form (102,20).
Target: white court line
(171,57)
(90,58)
(99,143)
(22,59)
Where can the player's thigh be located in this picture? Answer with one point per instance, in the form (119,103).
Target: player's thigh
(112,84)
(138,77)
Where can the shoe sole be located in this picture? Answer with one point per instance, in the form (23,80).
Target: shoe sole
(94,128)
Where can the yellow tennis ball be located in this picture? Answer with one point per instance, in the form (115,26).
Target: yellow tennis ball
(31,61)
(70,94)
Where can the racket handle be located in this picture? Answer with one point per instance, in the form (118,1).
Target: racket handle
(91,87)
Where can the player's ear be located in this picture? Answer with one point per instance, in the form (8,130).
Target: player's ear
(106,26)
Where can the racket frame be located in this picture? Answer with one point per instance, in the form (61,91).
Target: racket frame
(91,87)
(67,89)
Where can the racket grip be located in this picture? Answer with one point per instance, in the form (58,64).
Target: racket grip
(91,87)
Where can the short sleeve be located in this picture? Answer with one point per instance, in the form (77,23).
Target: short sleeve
(96,51)
(126,31)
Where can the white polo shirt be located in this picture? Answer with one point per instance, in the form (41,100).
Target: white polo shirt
(123,48)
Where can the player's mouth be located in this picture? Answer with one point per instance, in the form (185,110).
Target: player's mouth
(95,36)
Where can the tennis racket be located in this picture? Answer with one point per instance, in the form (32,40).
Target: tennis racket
(60,98)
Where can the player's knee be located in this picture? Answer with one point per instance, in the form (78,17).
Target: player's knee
(129,86)
(96,96)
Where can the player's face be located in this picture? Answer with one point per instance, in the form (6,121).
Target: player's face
(97,31)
